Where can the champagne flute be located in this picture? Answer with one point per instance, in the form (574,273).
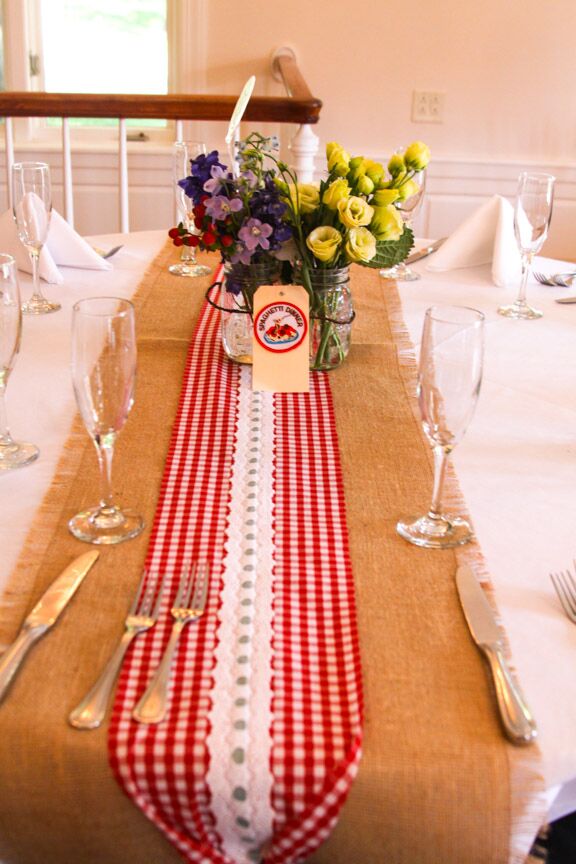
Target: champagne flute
(32,208)
(449,377)
(182,154)
(103,374)
(409,208)
(13,454)
(532,214)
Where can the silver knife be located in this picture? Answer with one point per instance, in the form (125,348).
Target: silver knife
(423,253)
(43,616)
(516,717)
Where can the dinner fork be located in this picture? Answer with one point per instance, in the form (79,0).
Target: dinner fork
(142,615)
(566,590)
(556,280)
(189,605)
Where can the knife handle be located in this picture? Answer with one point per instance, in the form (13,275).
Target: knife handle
(15,653)
(517,720)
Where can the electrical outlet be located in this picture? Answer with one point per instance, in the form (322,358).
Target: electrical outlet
(427,106)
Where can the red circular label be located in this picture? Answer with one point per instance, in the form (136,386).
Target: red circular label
(280,327)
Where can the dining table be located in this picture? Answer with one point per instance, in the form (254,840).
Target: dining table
(437,779)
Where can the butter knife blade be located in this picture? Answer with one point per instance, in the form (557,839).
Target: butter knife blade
(516,717)
(423,253)
(44,614)
(565,299)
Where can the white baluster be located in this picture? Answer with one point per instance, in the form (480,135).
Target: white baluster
(304,145)
(123,165)
(67,155)
(9,136)
(179,130)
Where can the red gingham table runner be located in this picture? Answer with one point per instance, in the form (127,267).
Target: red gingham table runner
(262,737)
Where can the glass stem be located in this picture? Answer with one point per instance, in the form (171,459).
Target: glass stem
(35,258)
(440,457)
(526,261)
(5,437)
(188,253)
(105,449)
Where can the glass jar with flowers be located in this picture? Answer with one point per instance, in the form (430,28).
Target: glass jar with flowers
(348,218)
(239,214)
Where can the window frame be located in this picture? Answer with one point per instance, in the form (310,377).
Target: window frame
(185,30)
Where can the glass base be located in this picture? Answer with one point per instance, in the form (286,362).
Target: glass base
(443,533)
(17,455)
(520,311)
(192,270)
(399,273)
(105,528)
(39,306)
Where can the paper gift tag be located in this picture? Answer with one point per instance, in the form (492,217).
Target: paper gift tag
(280,356)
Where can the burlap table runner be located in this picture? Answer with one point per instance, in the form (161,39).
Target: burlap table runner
(438,782)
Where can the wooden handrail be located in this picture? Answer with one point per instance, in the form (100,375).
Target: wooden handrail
(281,109)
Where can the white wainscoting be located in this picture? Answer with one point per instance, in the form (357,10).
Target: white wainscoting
(455,188)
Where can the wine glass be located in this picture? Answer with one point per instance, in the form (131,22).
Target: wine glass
(532,214)
(13,454)
(449,377)
(182,154)
(32,208)
(103,374)
(409,208)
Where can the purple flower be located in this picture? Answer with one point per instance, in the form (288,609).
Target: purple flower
(242,255)
(220,207)
(255,233)
(218,180)
(201,171)
(249,179)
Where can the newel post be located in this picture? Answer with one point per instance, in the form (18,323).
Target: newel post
(304,147)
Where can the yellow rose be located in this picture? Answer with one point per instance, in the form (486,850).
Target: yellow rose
(305,197)
(364,185)
(338,159)
(360,245)
(387,223)
(396,165)
(375,171)
(324,243)
(355,211)
(357,168)
(408,189)
(383,197)
(417,156)
(337,190)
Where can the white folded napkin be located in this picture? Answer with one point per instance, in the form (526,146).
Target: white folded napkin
(64,248)
(487,236)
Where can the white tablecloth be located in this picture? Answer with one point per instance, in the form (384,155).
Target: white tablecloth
(516,464)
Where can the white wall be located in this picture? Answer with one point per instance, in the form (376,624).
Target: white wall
(507,69)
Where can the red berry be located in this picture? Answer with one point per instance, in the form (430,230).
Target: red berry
(226,240)
(208,238)
(199,223)
(173,233)
(194,240)
(178,241)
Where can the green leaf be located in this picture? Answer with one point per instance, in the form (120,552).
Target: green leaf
(391,252)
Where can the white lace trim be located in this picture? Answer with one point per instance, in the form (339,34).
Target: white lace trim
(240,740)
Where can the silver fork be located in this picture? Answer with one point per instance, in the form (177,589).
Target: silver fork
(142,615)
(189,605)
(566,590)
(556,280)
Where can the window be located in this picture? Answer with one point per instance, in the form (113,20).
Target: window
(104,47)
(113,46)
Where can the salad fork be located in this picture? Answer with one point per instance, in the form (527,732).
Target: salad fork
(142,615)
(189,605)
(565,587)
